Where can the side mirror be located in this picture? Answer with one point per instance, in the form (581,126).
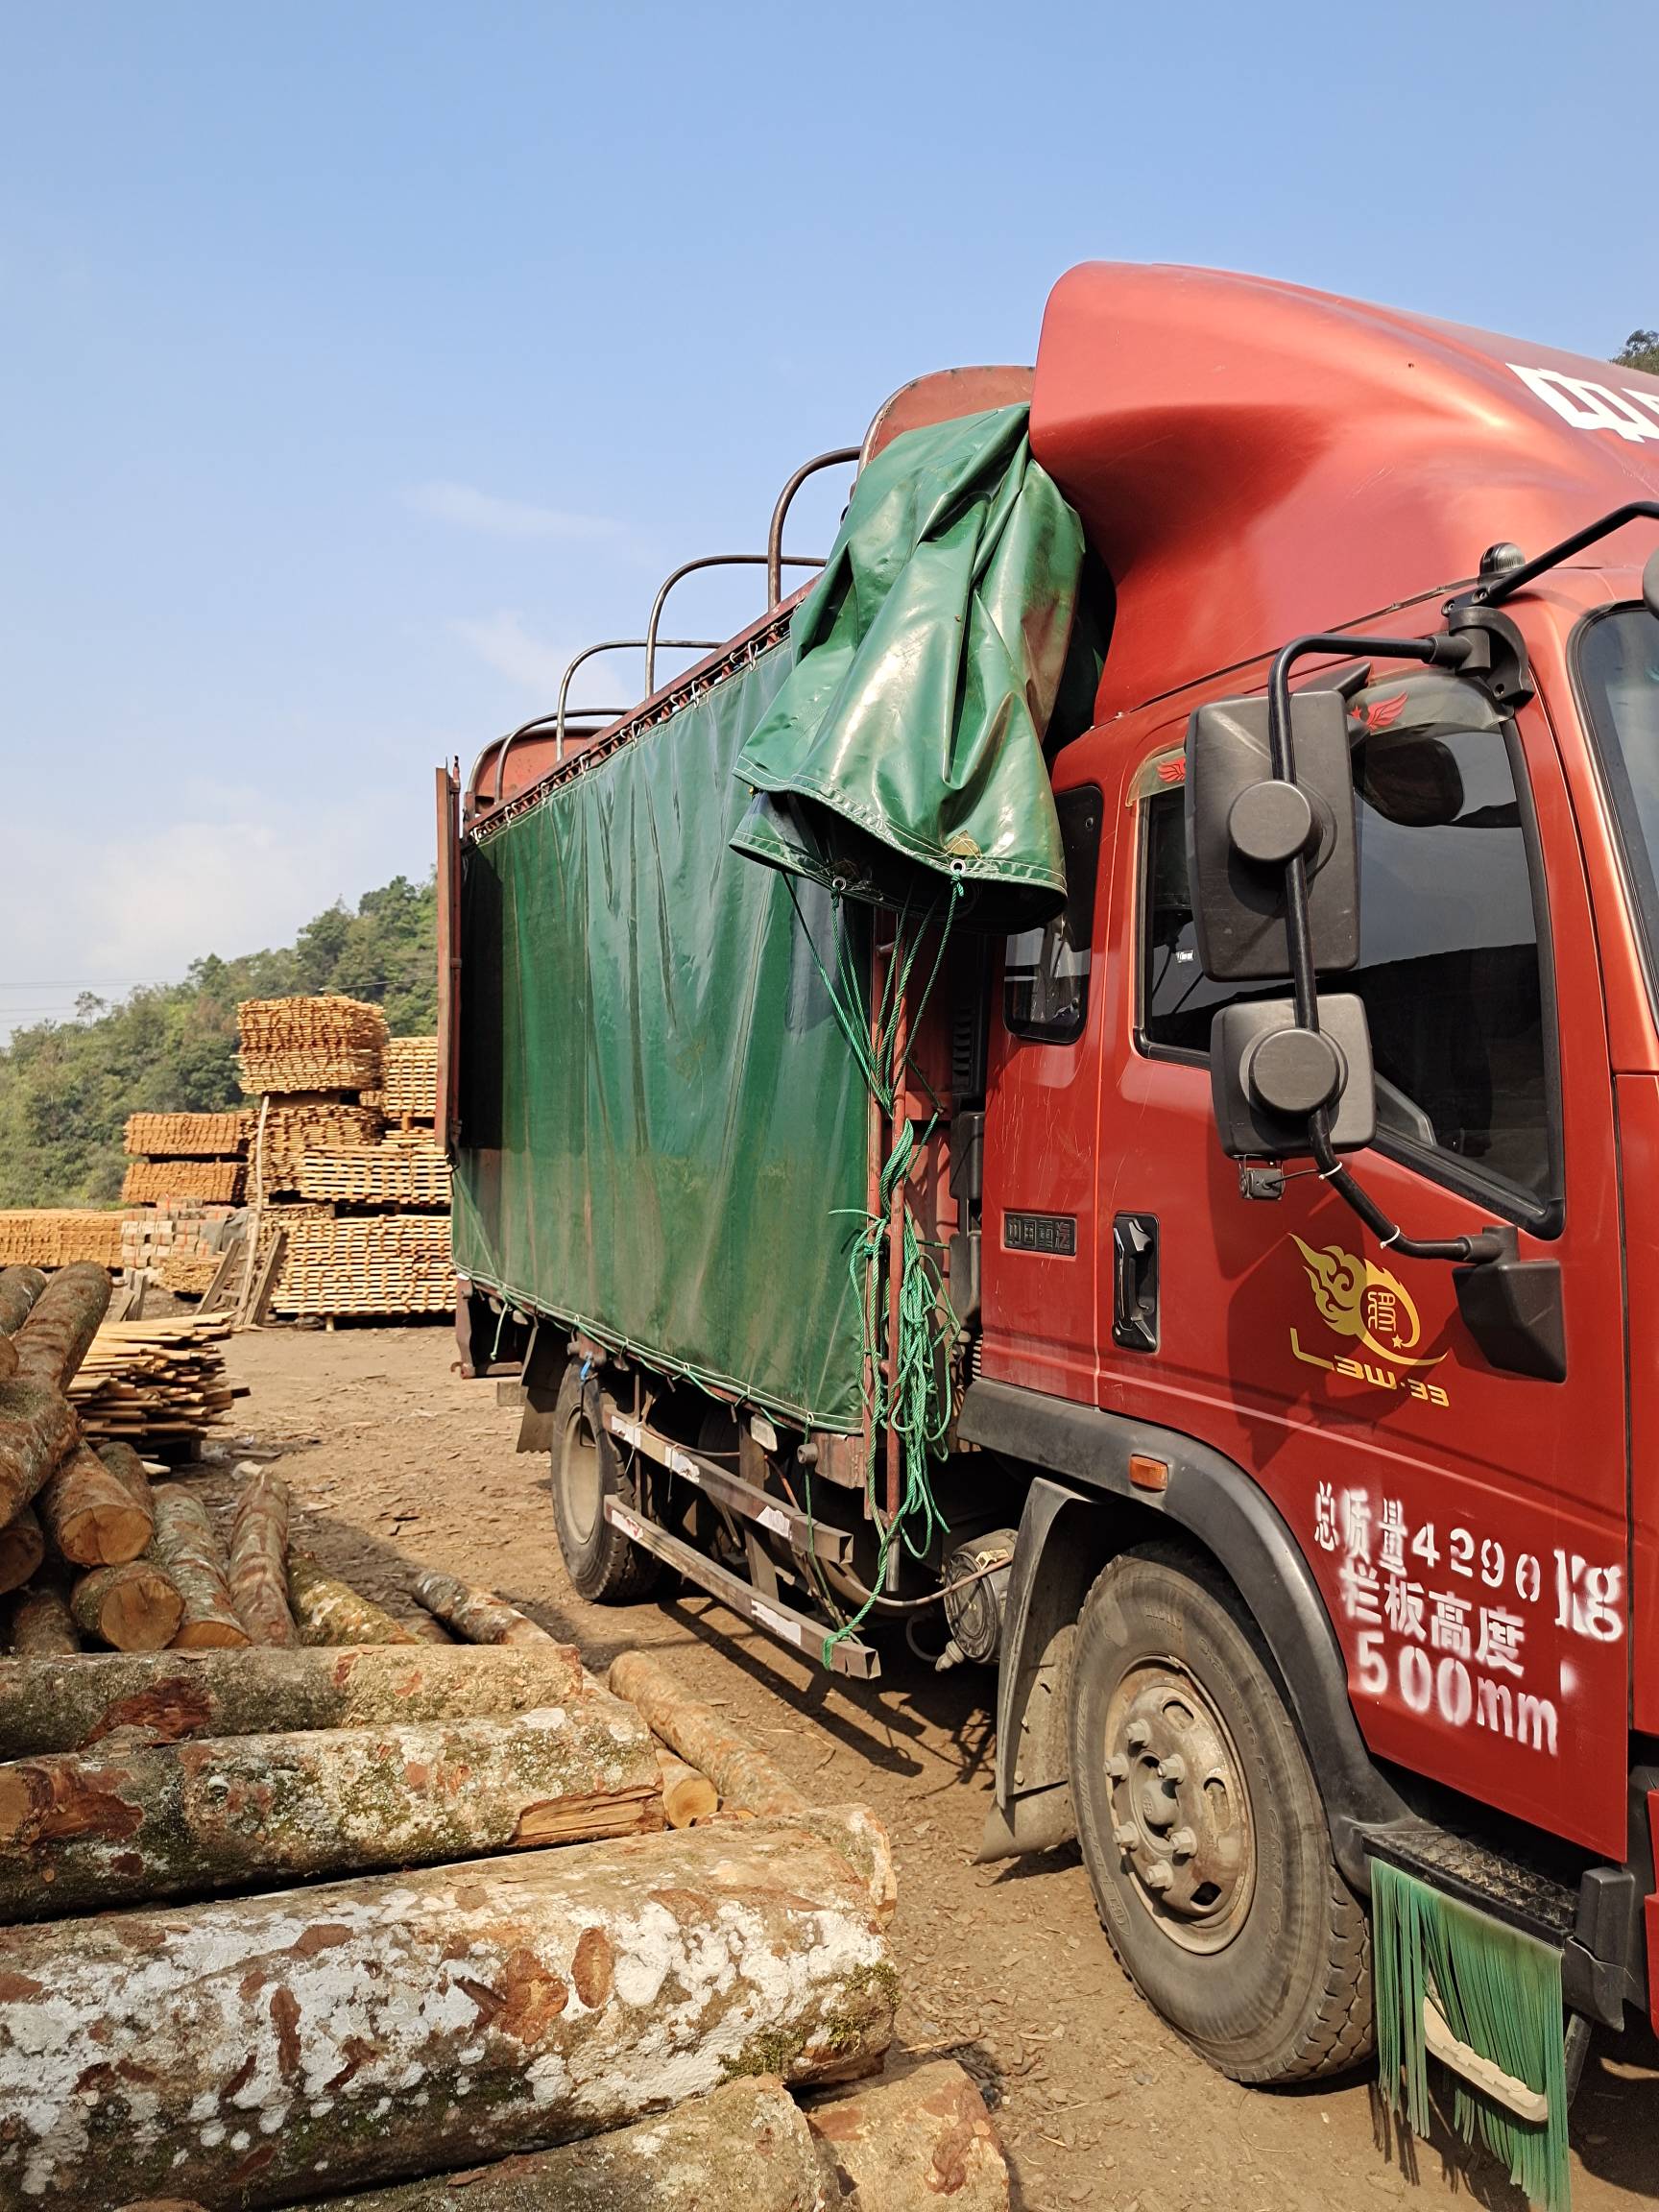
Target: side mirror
(1651,584)
(1267,1075)
(1244,826)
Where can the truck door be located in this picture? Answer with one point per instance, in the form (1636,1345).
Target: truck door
(1468,1527)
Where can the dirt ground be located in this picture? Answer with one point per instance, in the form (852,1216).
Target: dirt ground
(397,1463)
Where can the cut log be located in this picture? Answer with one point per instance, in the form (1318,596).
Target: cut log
(744,2147)
(746,1779)
(53,1341)
(912,2144)
(133,1821)
(175,1694)
(22,1548)
(270,2045)
(7,1358)
(687,1796)
(329,1611)
(98,1514)
(41,1628)
(476,1616)
(187,1553)
(258,1556)
(425,1630)
(20,1288)
(37,1428)
(131,1608)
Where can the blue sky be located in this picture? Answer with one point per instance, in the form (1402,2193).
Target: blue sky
(361,361)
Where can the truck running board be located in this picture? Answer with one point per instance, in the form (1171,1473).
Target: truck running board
(798,1529)
(848,1657)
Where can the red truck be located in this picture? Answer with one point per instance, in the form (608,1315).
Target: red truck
(1288,1190)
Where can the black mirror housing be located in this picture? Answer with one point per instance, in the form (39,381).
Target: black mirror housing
(1266,1076)
(1243,824)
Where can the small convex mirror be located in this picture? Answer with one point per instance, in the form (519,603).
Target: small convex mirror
(1243,823)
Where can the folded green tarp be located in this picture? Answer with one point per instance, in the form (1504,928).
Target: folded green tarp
(907,745)
(663,1131)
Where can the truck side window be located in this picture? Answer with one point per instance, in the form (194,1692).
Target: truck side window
(1448,966)
(1046,971)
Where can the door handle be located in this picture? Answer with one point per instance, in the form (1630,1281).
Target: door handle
(1135,1282)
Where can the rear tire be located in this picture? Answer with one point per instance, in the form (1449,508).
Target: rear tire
(1203,1830)
(603,1565)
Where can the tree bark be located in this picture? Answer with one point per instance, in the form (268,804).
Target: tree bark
(131,1608)
(7,1358)
(747,1780)
(20,1288)
(187,1553)
(742,2147)
(22,1548)
(369,2031)
(177,1695)
(687,1796)
(41,1628)
(329,1611)
(133,1821)
(258,1556)
(909,2145)
(98,1514)
(53,1341)
(476,1616)
(37,1428)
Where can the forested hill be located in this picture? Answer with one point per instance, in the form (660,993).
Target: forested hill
(66,1088)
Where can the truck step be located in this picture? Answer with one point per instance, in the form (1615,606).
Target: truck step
(801,1532)
(1507,1888)
(848,1657)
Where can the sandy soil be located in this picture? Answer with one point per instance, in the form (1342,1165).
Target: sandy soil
(397,1463)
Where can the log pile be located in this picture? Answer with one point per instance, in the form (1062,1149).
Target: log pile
(380,1264)
(368,1920)
(309,1044)
(56,1237)
(156,1182)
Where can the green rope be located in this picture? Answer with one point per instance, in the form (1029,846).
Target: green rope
(914,1398)
(1501,1993)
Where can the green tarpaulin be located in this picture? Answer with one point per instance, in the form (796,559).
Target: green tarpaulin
(907,745)
(662,1129)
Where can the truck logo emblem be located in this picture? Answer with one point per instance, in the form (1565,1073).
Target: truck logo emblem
(1356,1298)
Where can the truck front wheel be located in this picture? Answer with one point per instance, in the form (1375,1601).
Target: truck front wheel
(603,1565)
(1203,1832)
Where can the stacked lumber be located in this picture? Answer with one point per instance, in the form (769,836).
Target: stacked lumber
(309,1044)
(294,1127)
(153,1182)
(154,1384)
(397,1173)
(395,1914)
(188,1274)
(389,1264)
(186,1135)
(56,1236)
(410,1079)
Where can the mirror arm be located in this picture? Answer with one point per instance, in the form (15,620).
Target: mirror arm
(1440,652)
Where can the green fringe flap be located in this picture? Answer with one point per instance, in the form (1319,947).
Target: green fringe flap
(1500,1992)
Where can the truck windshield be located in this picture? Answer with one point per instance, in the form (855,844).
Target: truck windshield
(1618,663)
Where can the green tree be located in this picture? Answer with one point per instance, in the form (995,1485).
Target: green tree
(1641,351)
(66,1088)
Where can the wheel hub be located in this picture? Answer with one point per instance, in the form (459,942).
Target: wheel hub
(1180,1810)
(583,1478)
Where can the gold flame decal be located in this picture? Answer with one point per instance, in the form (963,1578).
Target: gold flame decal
(1356,1298)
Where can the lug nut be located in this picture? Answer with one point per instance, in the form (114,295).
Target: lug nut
(1117,1767)
(1182,1843)
(1138,1736)
(1126,1837)
(1159,1875)
(1174,1768)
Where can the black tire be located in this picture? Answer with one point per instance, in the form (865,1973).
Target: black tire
(1207,1850)
(603,1565)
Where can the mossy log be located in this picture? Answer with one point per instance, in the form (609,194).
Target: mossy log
(188,1553)
(177,1695)
(747,1780)
(476,1616)
(62,1324)
(37,1426)
(911,2145)
(22,1548)
(131,1820)
(370,2031)
(687,1795)
(329,1611)
(97,1506)
(743,2148)
(41,1628)
(20,1288)
(259,1561)
(131,1608)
